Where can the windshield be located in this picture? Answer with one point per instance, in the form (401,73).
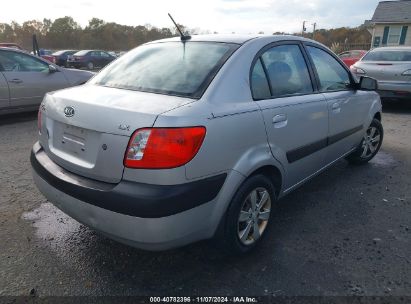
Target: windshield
(388,55)
(173,68)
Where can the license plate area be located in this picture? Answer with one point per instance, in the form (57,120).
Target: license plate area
(74,139)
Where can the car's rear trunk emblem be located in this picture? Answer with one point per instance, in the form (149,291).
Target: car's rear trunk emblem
(69,111)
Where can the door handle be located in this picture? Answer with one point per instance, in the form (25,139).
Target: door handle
(16,80)
(280,120)
(336,108)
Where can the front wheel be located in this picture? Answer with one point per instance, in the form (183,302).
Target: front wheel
(370,144)
(90,66)
(248,216)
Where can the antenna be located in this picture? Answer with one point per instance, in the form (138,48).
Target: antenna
(182,36)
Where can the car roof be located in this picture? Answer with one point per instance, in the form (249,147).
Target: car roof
(234,38)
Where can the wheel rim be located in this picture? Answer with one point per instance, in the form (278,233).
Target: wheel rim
(90,65)
(254,216)
(370,142)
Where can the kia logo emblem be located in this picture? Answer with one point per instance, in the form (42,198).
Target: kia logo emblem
(69,111)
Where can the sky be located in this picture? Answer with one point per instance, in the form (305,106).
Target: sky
(223,16)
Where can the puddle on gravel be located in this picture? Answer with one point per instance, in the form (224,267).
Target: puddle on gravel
(383,159)
(54,227)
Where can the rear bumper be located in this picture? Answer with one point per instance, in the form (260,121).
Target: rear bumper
(397,90)
(151,217)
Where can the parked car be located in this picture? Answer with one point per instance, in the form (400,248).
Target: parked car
(179,141)
(391,66)
(351,57)
(10,45)
(89,59)
(46,54)
(25,78)
(60,57)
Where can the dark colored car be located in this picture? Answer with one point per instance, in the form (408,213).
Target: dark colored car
(351,57)
(60,57)
(89,59)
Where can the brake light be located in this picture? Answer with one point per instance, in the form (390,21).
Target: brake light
(163,148)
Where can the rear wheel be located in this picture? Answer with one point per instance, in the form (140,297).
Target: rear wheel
(370,144)
(248,216)
(90,66)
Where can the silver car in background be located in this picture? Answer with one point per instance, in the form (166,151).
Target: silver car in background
(391,67)
(25,79)
(184,140)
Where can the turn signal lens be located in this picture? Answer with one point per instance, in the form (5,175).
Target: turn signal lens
(163,148)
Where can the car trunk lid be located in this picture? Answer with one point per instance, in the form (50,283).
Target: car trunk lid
(386,70)
(89,127)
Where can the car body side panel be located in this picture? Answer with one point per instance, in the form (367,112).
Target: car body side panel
(347,110)
(4,92)
(33,86)
(299,141)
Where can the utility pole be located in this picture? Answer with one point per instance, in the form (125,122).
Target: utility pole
(304,29)
(314,26)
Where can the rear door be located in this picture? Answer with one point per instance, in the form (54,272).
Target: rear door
(347,107)
(105,58)
(28,78)
(295,114)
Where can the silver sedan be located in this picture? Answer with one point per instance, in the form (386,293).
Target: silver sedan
(25,79)
(391,66)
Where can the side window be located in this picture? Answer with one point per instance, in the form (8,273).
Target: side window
(332,76)
(287,71)
(104,54)
(259,83)
(18,62)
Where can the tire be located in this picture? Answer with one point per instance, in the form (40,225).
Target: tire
(238,221)
(90,66)
(369,145)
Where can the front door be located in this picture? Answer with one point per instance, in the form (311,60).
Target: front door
(295,115)
(347,107)
(29,78)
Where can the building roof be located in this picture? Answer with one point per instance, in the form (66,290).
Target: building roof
(393,11)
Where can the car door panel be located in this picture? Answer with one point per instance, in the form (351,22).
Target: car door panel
(295,116)
(28,78)
(347,110)
(347,107)
(29,88)
(297,132)
(4,92)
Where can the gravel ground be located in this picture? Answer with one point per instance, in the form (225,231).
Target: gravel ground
(347,232)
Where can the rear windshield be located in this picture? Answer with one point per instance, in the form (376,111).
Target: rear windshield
(388,55)
(172,68)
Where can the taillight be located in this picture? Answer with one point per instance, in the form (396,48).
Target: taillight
(39,120)
(163,148)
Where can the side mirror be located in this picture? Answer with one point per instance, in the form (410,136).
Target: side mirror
(52,69)
(368,84)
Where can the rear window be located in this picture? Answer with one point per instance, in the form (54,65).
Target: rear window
(388,55)
(172,68)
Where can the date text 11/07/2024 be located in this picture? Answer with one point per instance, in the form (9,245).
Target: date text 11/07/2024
(203,300)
